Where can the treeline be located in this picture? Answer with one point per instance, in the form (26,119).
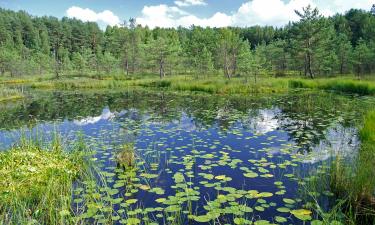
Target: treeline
(315,45)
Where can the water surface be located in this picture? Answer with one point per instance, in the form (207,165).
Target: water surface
(199,158)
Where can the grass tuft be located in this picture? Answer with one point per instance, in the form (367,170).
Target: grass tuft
(36,184)
(356,183)
(126,157)
(337,84)
(8,94)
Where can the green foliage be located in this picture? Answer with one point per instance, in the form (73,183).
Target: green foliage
(314,46)
(36,183)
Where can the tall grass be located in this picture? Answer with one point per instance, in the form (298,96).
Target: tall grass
(80,84)
(219,85)
(8,94)
(36,183)
(356,183)
(211,85)
(337,84)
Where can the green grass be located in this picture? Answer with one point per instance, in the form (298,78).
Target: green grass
(345,85)
(218,85)
(365,178)
(356,183)
(36,184)
(9,94)
(212,85)
(85,83)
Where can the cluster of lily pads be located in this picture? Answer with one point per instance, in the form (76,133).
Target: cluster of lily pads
(232,164)
(196,176)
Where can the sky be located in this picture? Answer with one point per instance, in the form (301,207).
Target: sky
(173,13)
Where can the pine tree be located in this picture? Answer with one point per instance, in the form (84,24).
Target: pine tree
(343,50)
(307,33)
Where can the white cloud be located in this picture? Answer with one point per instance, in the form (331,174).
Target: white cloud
(172,16)
(107,17)
(184,3)
(268,12)
(106,115)
(340,6)
(251,12)
(279,12)
(255,12)
(266,121)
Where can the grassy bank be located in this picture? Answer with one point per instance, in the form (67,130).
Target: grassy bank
(36,184)
(211,85)
(356,183)
(8,94)
(84,83)
(345,85)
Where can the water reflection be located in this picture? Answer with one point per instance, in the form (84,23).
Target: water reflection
(339,141)
(252,141)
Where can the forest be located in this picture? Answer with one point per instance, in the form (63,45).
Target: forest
(313,46)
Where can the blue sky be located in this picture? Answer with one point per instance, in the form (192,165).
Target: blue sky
(172,13)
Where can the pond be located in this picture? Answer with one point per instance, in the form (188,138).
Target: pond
(198,159)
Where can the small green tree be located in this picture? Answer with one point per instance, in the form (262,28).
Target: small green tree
(311,36)
(161,53)
(362,57)
(343,51)
(245,60)
(107,62)
(78,63)
(204,62)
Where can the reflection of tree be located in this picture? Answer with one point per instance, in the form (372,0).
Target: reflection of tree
(306,117)
(51,106)
(130,122)
(222,111)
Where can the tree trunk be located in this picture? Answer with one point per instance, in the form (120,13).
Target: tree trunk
(305,66)
(309,66)
(127,67)
(255,77)
(161,69)
(57,74)
(341,68)
(309,60)
(234,65)
(342,62)
(227,72)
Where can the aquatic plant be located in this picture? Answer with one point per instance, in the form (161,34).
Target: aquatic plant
(126,157)
(8,94)
(355,183)
(36,184)
(194,164)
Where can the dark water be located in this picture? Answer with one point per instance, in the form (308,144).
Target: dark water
(199,158)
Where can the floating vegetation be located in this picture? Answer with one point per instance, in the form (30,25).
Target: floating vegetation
(187,163)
